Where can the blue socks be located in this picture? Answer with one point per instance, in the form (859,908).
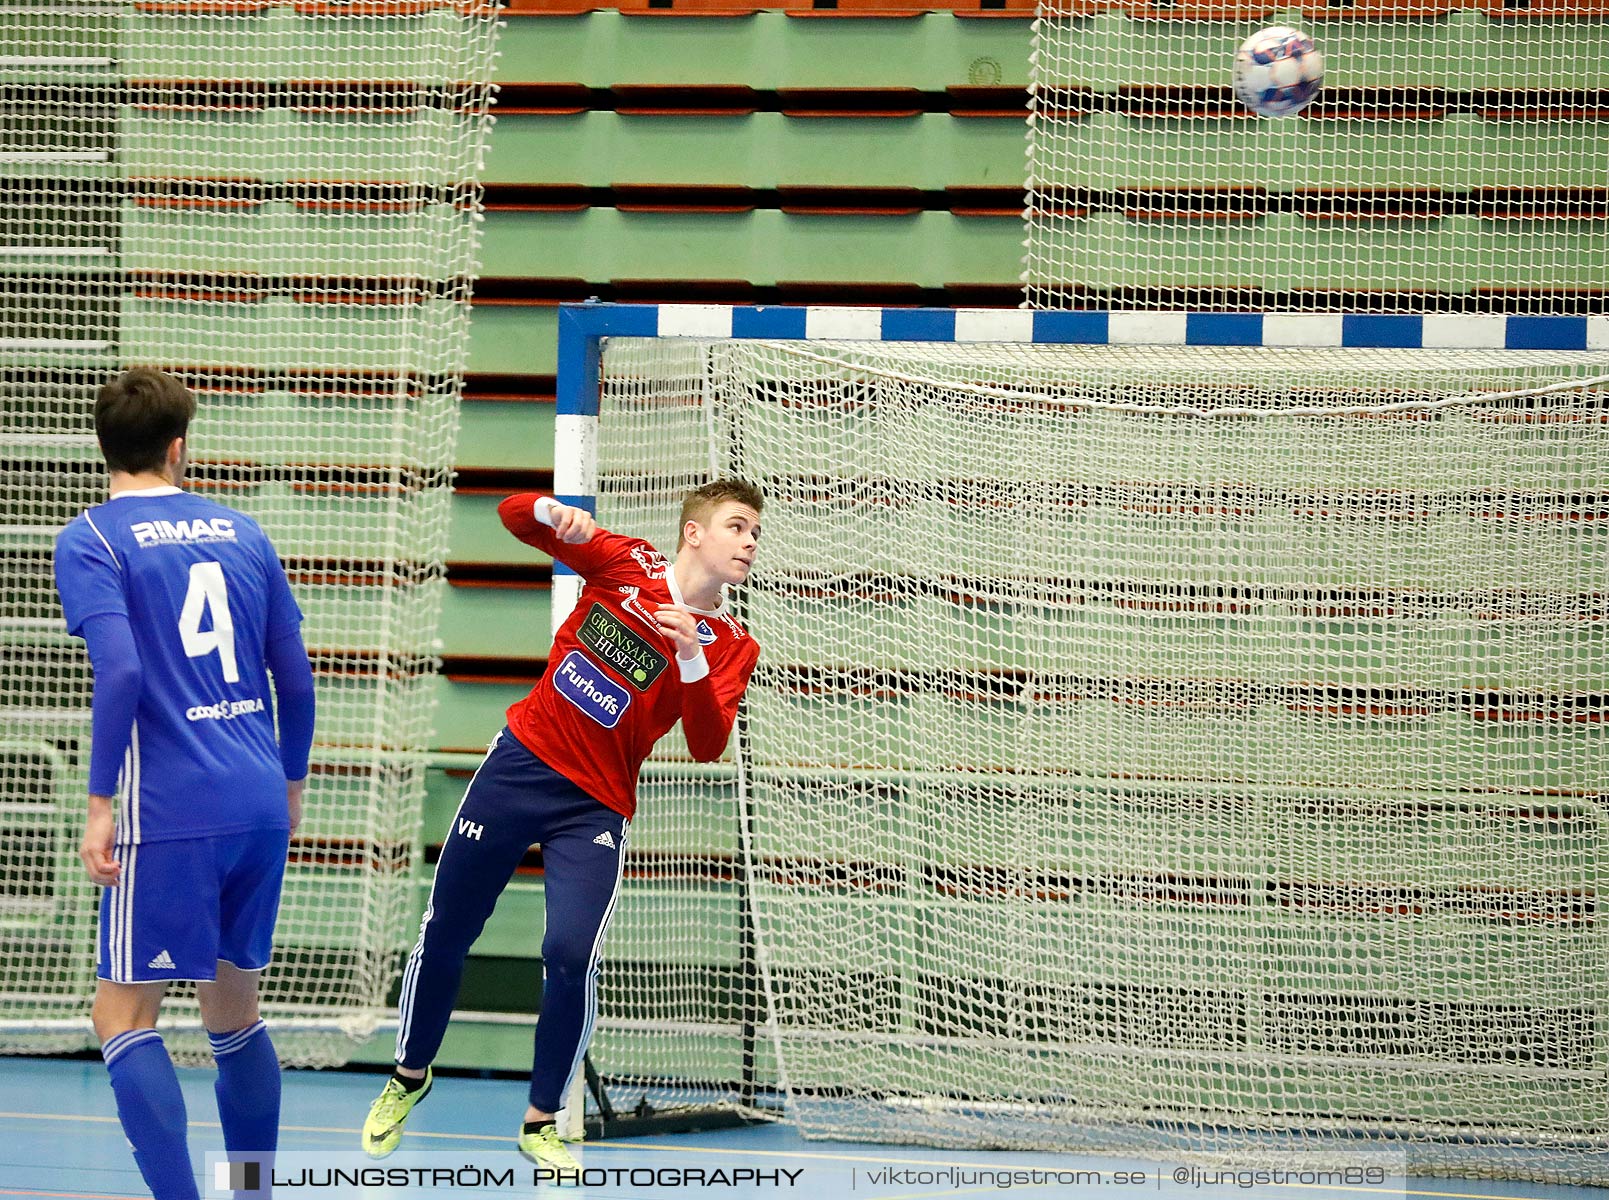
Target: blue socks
(151,1108)
(247,1089)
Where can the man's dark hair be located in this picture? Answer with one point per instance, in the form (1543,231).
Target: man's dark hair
(137,416)
(702,501)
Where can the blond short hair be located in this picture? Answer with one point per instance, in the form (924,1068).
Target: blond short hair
(699,503)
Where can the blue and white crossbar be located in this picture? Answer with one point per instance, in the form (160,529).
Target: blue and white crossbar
(582,327)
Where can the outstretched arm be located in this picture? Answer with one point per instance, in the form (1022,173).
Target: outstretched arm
(543,522)
(570,535)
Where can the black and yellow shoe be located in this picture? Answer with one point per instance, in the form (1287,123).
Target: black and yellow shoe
(542,1146)
(383,1129)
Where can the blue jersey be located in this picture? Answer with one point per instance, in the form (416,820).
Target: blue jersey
(204,594)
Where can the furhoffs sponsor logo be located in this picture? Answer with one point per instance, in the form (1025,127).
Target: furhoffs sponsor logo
(584,684)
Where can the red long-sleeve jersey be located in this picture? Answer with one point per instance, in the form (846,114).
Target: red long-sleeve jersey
(612,687)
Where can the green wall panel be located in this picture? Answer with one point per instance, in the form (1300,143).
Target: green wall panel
(1458,152)
(761,150)
(1465,49)
(1462,50)
(442,794)
(501,434)
(766,50)
(325,336)
(511,622)
(763,247)
(513,338)
(279,238)
(933,249)
(476,534)
(286,144)
(468,714)
(1287,251)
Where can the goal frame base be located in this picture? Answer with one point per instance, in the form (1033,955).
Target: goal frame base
(647,1120)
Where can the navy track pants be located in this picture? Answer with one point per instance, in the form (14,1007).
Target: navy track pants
(515,800)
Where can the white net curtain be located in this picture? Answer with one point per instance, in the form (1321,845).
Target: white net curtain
(276,202)
(1453,161)
(1163,750)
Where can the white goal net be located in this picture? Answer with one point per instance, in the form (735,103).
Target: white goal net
(1165,750)
(1453,161)
(278,203)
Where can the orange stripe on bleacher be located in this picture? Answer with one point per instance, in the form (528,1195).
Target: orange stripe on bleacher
(885,9)
(209,8)
(1197,10)
(393,8)
(1508,10)
(1320,10)
(317,8)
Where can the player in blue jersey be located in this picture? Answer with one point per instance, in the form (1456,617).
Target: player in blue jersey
(186,611)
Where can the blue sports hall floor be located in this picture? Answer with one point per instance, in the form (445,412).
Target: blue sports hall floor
(59,1137)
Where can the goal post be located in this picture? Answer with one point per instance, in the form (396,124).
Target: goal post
(1175,733)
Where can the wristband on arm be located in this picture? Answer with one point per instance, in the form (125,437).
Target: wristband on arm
(695,668)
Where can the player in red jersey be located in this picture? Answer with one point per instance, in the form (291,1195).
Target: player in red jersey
(651,642)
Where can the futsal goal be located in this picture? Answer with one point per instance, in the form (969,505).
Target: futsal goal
(1174,734)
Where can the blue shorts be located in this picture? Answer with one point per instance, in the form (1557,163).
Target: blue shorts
(179,907)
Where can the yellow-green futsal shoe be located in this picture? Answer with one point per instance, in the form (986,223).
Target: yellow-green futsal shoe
(383,1130)
(543,1147)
